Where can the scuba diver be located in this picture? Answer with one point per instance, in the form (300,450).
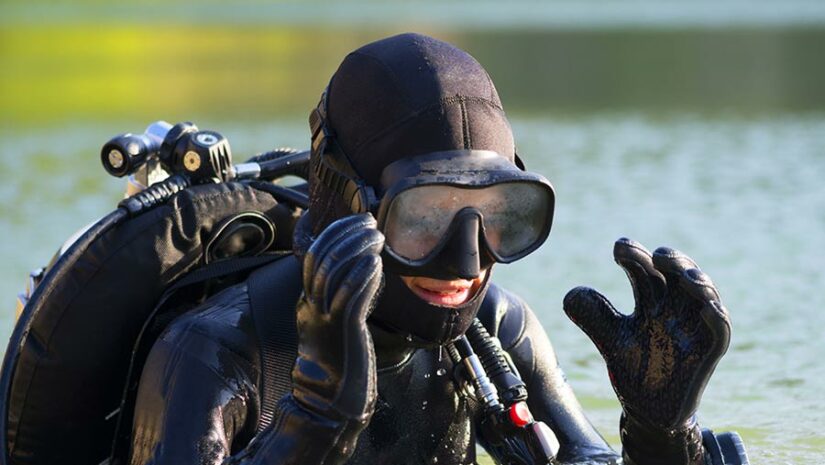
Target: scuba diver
(415,193)
(381,338)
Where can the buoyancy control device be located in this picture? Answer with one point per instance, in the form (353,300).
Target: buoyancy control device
(200,225)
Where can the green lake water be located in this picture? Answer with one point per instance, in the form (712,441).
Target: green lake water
(683,132)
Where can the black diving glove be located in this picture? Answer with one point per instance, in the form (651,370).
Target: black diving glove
(660,357)
(334,378)
(334,374)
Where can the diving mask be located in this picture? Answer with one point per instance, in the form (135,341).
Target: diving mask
(449,213)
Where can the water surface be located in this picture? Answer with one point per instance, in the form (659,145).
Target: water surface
(742,196)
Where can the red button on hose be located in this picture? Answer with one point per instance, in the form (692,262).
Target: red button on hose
(520,414)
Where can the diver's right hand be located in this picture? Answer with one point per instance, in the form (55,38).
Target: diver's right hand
(335,372)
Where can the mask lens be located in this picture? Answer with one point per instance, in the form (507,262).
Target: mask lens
(517,221)
(514,214)
(418,219)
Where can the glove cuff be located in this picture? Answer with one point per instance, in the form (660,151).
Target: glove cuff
(301,436)
(647,444)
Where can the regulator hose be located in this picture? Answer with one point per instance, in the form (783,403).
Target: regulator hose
(272,154)
(282,162)
(493,359)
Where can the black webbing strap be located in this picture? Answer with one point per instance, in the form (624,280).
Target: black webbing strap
(151,330)
(273,293)
(218,270)
(353,191)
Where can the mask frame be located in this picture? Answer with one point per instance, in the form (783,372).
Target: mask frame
(459,169)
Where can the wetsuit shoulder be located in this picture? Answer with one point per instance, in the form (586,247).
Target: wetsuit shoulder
(225,319)
(550,397)
(198,390)
(504,314)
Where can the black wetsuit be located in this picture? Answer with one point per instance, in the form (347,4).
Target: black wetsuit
(403,98)
(199,398)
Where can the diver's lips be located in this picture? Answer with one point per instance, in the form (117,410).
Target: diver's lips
(445,296)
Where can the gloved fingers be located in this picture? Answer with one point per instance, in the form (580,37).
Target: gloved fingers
(696,286)
(340,259)
(362,285)
(328,238)
(595,315)
(672,263)
(648,283)
(699,285)
(717,319)
(357,297)
(354,300)
(356,287)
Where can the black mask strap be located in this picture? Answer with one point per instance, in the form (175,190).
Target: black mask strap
(341,178)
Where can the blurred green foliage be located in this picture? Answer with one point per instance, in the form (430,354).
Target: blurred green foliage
(252,60)
(123,72)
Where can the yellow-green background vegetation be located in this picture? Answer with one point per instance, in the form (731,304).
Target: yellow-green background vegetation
(93,60)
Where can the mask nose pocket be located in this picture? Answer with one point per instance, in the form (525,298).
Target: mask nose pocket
(243,235)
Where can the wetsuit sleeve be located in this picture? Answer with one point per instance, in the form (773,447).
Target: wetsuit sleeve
(197,394)
(551,398)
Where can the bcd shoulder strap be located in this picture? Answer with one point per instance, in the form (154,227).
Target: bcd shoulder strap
(165,311)
(273,293)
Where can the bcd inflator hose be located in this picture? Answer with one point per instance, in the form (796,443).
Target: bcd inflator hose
(154,195)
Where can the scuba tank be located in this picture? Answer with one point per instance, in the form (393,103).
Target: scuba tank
(201,225)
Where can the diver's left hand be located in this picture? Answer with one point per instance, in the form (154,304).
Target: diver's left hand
(662,355)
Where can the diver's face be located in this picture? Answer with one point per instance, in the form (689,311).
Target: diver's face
(444,293)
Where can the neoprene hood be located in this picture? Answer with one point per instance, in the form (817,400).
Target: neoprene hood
(397,98)
(408,95)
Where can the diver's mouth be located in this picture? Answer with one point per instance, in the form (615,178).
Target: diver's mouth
(442,293)
(443,296)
